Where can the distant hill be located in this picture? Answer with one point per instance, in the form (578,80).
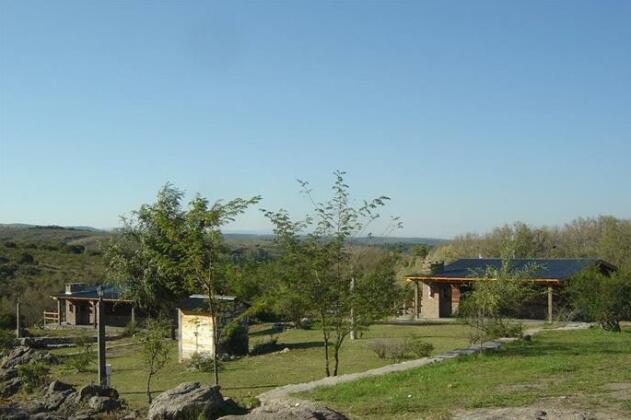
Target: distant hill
(86,236)
(71,234)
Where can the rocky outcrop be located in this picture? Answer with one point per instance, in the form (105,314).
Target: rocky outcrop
(188,400)
(289,410)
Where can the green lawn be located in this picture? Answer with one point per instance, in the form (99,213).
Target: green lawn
(589,366)
(252,375)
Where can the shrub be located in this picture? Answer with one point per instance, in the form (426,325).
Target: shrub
(203,362)
(7,321)
(7,340)
(379,347)
(389,349)
(268,346)
(33,375)
(26,258)
(504,328)
(419,348)
(85,357)
(130,329)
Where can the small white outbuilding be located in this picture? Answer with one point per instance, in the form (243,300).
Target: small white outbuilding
(195,327)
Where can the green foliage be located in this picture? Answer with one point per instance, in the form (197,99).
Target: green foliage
(419,347)
(203,362)
(605,299)
(320,271)
(85,357)
(397,350)
(7,340)
(268,345)
(603,237)
(155,348)
(498,296)
(33,375)
(8,321)
(130,329)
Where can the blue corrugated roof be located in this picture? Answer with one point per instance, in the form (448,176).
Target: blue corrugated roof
(545,268)
(109,293)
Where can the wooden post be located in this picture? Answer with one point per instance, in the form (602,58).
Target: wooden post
(417,300)
(94,313)
(133,314)
(101,342)
(58,312)
(18,325)
(550,304)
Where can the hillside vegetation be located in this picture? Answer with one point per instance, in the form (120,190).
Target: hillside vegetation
(604,237)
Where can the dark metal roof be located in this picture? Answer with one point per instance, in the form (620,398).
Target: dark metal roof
(109,293)
(201,301)
(543,268)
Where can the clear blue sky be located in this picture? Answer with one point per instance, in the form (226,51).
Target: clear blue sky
(467,114)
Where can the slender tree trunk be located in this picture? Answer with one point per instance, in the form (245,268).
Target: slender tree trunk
(149,387)
(326,346)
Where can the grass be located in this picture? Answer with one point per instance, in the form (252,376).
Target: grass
(252,375)
(553,365)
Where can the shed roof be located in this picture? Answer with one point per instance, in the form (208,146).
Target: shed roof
(543,268)
(110,292)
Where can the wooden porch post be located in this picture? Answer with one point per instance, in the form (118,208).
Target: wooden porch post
(417,300)
(550,304)
(58,311)
(133,314)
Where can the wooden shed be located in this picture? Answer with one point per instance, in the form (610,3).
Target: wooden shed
(195,327)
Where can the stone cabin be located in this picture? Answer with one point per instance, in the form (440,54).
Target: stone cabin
(439,293)
(77,306)
(195,327)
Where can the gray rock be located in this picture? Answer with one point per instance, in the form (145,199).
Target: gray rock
(18,356)
(104,404)
(56,386)
(289,410)
(13,413)
(10,387)
(187,400)
(88,391)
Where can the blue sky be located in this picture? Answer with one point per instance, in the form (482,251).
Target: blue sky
(467,114)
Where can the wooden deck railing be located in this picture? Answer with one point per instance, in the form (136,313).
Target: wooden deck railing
(51,316)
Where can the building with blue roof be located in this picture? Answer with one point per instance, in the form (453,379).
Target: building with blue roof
(438,293)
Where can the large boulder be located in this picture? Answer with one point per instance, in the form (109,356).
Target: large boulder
(92,390)
(17,356)
(289,410)
(186,401)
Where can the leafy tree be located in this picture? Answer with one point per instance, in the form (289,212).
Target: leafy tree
(605,299)
(495,299)
(155,349)
(321,272)
(207,267)
(167,252)
(148,259)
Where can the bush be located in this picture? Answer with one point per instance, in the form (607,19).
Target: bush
(419,348)
(503,328)
(26,258)
(397,350)
(203,362)
(130,329)
(85,357)
(33,375)
(8,321)
(7,340)
(268,346)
